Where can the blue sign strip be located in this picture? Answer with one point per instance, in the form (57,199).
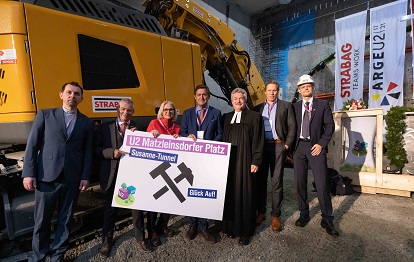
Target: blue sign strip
(202,193)
(153,155)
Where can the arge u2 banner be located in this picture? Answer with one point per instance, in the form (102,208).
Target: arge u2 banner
(175,176)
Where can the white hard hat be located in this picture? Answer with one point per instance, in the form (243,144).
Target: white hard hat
(305,79)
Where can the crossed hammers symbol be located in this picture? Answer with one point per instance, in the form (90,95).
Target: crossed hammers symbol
(160,170)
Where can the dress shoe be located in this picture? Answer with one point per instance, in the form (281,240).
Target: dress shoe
(276,226)
(207,236)
(145,246)
(191,233)
(260,218)
(168,232)
(106,249)
(302,221)
(155,240)
(244,241)
(329,227)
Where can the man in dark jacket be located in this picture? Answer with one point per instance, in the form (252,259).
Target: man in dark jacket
(315,126)
(108,139)
(280,130)
(57,164)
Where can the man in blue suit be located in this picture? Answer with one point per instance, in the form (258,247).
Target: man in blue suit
(57,164)
(315,126)
(201,122)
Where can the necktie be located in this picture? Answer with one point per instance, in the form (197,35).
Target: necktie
(69,127)
(202,114)
(123,128)
(305,122)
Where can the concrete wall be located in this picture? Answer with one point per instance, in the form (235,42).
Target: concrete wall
(302,59)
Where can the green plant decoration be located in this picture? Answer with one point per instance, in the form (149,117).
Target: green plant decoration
(394,138)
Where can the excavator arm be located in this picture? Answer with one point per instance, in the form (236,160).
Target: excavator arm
(228,64)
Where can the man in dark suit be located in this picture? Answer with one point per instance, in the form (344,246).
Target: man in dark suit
(280,131)
(57,164)
(108,139)
(201,122)
(315,127)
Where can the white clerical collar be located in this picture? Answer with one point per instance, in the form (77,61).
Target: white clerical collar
(236,117)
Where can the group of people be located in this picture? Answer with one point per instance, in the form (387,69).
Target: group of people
(62,143)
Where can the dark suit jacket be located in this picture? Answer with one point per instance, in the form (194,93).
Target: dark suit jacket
(50,151)
(321,123)
(211,126)
(285,121)
(105,145)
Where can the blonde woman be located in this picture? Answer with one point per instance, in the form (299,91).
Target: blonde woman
(165,125)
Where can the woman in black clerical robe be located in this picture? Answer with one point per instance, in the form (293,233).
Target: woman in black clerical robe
(243,128)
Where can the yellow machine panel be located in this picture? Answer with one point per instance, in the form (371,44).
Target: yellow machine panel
(55,59)
(12,18)
(46,48)
(178,72)
(15,80)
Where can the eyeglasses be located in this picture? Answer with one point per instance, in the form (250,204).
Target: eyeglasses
(169,109)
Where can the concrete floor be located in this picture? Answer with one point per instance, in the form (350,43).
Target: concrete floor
(372,228)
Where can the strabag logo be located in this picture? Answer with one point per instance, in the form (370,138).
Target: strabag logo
(104,104)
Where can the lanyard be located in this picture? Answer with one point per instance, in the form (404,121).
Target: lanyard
(269,108)
(166,127)
(199,122)
(308,110)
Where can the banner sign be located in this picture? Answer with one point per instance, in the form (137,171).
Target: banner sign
(387,55)
(349,63)
(175,176)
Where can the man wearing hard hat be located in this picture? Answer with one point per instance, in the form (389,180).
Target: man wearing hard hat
(315,127)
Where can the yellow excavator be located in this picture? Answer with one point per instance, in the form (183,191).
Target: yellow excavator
(114,51)
(227,63)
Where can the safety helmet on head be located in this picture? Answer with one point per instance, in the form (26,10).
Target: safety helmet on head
(305,79)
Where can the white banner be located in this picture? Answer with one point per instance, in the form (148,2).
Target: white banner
(387,55)
(175,176)
(349,63)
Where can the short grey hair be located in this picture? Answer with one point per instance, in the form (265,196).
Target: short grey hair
(239,90)
(125,100)
(159,115)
